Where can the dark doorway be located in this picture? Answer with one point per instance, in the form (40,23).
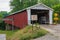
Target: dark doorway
(43,16)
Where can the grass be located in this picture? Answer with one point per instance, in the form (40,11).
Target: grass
(24,34)
(27,33)
(2,32)
(8,33)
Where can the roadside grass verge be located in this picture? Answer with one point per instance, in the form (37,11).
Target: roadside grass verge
(27,33)
(24,34)
(8,33)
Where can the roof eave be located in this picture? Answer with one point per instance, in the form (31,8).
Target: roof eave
(31,7)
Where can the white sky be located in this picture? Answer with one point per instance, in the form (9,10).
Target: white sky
(4,5)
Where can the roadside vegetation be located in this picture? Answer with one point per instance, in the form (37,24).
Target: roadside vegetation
(26,33)
(8,33)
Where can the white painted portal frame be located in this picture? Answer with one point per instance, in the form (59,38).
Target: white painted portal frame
(40,7)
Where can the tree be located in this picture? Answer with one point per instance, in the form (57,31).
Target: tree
(56,8)
(2,15)
(50,3)
(17,5)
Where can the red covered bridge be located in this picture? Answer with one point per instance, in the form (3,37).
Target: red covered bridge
(22,18)
(19,19)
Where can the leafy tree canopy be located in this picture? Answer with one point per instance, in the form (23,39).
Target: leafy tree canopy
(3,14)
(50,3)
(17,5)
(56,8)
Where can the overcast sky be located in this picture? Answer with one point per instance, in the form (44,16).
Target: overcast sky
(4,5)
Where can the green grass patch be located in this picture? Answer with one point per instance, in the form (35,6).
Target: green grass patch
(27,33)
(8,33)
(24,34)
(2,32)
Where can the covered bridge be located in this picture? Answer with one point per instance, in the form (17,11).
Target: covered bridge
(39,13)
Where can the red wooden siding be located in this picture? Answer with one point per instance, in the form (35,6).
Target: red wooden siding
(19,19)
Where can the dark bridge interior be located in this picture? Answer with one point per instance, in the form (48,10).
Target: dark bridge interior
(42,16)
